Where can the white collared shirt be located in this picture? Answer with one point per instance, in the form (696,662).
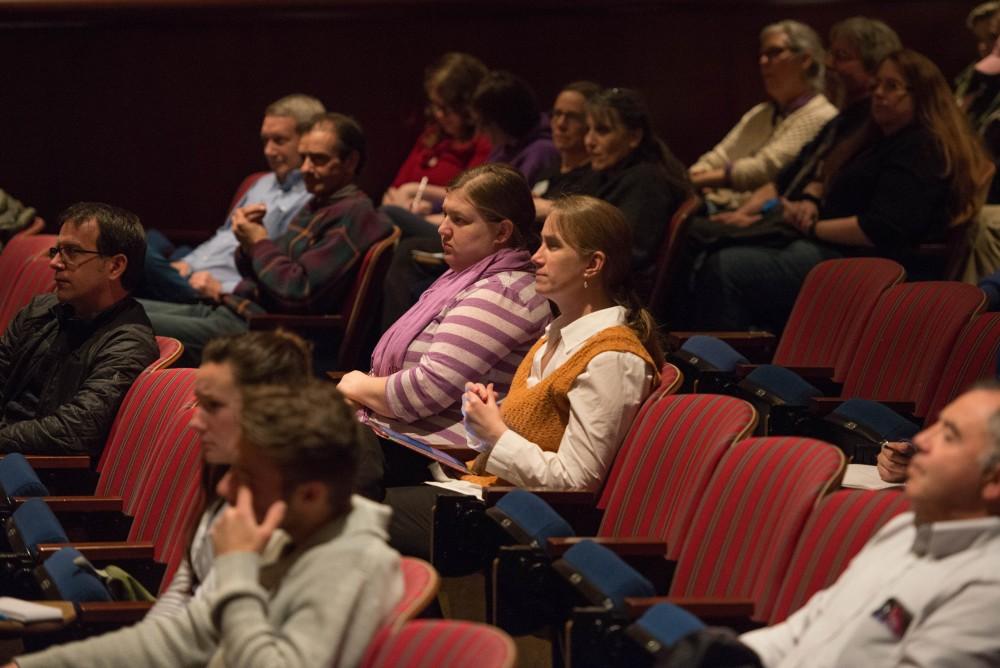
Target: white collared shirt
(603,401)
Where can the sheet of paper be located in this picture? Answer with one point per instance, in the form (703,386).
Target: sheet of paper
(26,611)
(865,476)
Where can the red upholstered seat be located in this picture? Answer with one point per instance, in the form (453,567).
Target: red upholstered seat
(908,339)
(170,491)
(666,462)
(35,277)
(832,310)
(836,531)
(666,263)
(170,349)
(145,412)
(745,529)
(244,186)
(443,644)
(420,586)
(973,358)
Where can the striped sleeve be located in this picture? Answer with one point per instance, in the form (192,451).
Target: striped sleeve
(475,333)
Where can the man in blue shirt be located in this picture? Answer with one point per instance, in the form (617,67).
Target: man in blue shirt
(272,200)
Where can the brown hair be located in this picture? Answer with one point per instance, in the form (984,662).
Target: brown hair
(454,78)
(589,224)
(500,192)
(308,431)
(965,160)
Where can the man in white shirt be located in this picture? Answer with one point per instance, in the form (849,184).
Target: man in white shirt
(209,270)
(926,589)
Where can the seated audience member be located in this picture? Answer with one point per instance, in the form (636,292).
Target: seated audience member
(476,321)
(321,602)
(273,201)
(507,112)
(310,267)
(68,358)
(936,604)
(449,143)
(772,133)
(902,178)
(16,218)
(893,459)
(635,171)
(984,24)
(568,122)
(576,392)
(230,365)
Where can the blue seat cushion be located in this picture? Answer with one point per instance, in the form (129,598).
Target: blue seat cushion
(878,418)
(607,578)
(17,478)
(668,623)
(529,519)
(707,351)
(786,385)
(72,580)
(34,523)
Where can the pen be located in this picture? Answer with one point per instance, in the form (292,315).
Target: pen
(420,194)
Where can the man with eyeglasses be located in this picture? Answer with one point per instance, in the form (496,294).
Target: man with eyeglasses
(68,358)
(306,270)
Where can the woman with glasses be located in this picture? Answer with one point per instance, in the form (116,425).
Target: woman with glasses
(911,171)
(772,133)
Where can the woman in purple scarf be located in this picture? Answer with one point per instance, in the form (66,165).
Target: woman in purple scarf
(476,321)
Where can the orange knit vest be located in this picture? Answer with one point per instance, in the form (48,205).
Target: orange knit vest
(540,413)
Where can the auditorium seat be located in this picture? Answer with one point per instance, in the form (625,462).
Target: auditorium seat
(34,278)
(170,350)
(425,643)
(666,258)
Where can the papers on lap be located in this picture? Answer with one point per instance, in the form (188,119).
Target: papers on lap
(865,476)
(418,446)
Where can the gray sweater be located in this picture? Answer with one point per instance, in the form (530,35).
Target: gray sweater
(332,593)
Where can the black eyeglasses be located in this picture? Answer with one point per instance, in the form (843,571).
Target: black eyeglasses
(71,254)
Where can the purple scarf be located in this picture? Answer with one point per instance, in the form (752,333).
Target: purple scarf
(391,349)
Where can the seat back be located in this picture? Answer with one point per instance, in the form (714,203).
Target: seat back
(446,643)
(836,531)
(908,339)
(244,186)
(361,308)
(666,462)
(666,264)
(34,278)
(973,358)
(152,400)
(832,310)
(170,349)
(420,585)
(170,491)
(751,516)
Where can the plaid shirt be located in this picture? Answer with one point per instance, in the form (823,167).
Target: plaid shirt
(310,268)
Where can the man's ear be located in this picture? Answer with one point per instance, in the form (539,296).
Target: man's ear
(117,265)
(312,492)
(991,486)
(352,161)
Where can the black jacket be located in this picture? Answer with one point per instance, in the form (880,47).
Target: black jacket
(63,378)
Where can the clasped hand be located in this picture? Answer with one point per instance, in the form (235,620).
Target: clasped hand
(482,415)
(237,530)
(248,224)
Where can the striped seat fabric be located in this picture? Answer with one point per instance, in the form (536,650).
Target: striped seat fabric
(666,462)
(148,406)
(973,358)
(169,350)
(908,339)
(420,585)
(170,492)
(836,531)
(444,644)
(750,518)
(34,278)
(832,310)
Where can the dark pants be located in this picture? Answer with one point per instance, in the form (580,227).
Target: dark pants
(160,280)
(412,518)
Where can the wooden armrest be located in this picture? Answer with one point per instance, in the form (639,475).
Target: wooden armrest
(807,372)
(825,405)
(705,608)
(493,494)
(112,612)
(101,551)
(622,546)
(58,461)
(272,320)
(79,504)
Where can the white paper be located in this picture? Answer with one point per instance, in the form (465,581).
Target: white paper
(865,476)
(26,611)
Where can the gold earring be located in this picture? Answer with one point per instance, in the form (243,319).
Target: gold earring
(585,284)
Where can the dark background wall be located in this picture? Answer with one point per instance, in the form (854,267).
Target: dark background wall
(156,105)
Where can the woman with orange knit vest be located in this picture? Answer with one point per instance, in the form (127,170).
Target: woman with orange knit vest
(576,392)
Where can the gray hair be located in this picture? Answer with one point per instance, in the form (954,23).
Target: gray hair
(981,12)
(992,458)
(303,108)
(803,39)
(872,38)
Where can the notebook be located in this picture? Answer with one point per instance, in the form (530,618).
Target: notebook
(418,446)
